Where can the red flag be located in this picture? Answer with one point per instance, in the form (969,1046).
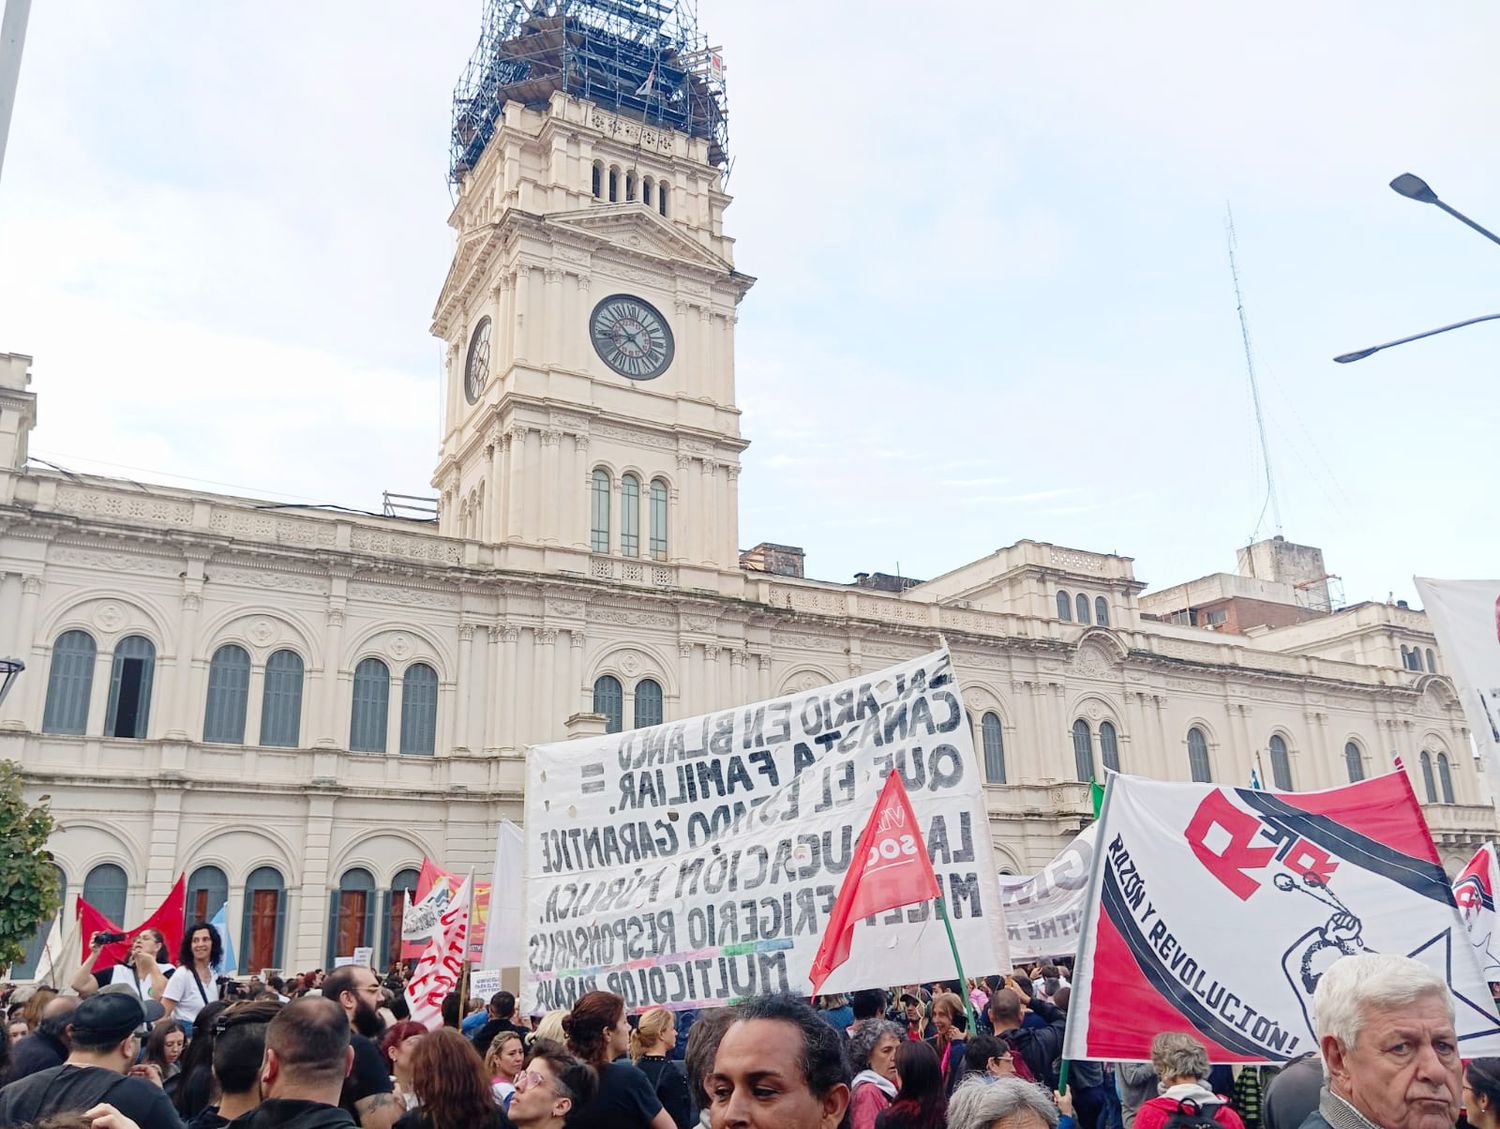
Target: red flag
(431,873)
(896,872)
(167,919)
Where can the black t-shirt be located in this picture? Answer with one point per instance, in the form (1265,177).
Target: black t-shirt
(626,1100)
(670,1080)
(369,1074)
(207,1118)
(69,1088)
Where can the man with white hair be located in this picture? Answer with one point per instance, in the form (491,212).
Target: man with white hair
(1389,1044)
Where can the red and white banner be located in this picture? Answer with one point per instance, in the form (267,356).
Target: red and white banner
(435,889)
(895,872)
(1216,911)
(441,965)
(1475,893)
(1465,617)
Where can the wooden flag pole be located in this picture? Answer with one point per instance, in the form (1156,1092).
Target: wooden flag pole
(963,981)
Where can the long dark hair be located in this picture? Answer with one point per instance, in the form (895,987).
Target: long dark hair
(451,1083)
(1483,1077)
(587,1026)
(196,1081)
(185,950)
(156,1045)
(921,1103)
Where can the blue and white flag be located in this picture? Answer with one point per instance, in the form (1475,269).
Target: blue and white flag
(221,923)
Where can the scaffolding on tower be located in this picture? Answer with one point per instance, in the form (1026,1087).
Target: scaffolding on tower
(643,59)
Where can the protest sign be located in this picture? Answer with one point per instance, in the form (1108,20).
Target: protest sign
(696,862)
(1216,911)
(441,965)
(364,957)
(1475,893)
(1044,911)
(1465,617)
(342,962)
(484,983)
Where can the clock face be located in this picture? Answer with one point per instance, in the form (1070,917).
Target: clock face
(631,337)
(477,364)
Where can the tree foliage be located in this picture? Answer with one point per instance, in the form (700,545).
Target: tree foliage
(28,880)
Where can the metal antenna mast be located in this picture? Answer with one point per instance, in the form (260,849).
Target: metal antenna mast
(1260,419)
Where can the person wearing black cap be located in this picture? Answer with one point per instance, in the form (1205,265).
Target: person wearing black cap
(100,1068)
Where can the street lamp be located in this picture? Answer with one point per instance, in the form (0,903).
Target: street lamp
(9,670)
(1415,188)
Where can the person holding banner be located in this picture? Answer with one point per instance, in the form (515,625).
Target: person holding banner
(599,1034)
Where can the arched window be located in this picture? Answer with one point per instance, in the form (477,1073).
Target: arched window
(1281,763)
(1064,607)
(646,186)
(609,699)
(105,888)
(614,185)
(228,694)
(992,738)
(1429,788)
(401,885)
(351,914)
(419,698)
(661,197)
(207,890)
(630,185)
(1354,762)
(36,948)
(281,701)
(598,179)
(658,520)
(1445,778)
(1431,662)
(599,512)
(1083,608)
(69,683)
(630,516)
(1109,746)
(1083,750)
(130,687)
(1101,611)
(372,700)
(1198,765)
(647,703)
(263,920)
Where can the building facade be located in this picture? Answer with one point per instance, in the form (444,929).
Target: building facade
(295,707)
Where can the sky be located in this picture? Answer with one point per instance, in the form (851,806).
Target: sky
(994,296)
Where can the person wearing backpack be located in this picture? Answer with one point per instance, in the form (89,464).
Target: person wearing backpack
(1181,1064)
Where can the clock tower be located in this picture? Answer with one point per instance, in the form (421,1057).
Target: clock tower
(590,419)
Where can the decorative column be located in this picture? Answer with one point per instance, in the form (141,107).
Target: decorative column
(763,675)
(574,698)
(548,724)
(715,691)
(161,849)
(307,940)
(515,484)
(553,305)
(494,501)
(508,684)
(678,525)
(20,706)
(574,503)
(730,532)
(738,691)
(688,675)
(329,681)
(551,483)
(492,690)
(1239,721)
(1317,768)
(578,356)
(522,305)
(704,356)
(523,685)
(176,706)
(461,679)
(726,366)
(708,514)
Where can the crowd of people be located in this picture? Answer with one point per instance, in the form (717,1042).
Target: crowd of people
(336,1049)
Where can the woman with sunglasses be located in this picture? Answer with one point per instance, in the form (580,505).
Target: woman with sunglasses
(550,1088)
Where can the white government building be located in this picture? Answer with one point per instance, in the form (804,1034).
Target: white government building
(295,706)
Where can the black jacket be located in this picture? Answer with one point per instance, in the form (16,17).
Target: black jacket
(1040,1046)
(281,1113)
(38,1051)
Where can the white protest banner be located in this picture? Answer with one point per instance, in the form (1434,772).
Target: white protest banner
(1474,891)
(695,863)
(484,983)
(441,964)
(1044,911)
(1216,911)
(420,920)
(364,957)
(1465,617)
(342,962)
(505,941)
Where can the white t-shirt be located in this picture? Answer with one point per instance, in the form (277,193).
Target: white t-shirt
(189,993)
(125,974)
